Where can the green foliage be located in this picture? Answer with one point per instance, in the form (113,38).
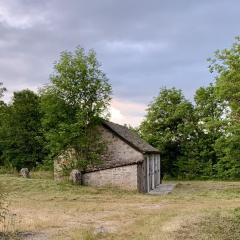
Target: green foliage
(186,134)
(226,65)
(2,90)
(167,124)
(73,104)
(22,140)
(8,169)
(201,141)
(209,126)
(2,113)
(227,148)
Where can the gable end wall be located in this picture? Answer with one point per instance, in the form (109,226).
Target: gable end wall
(118,151)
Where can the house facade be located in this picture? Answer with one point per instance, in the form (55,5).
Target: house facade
(129,162)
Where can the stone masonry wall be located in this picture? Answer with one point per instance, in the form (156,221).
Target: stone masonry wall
(123,177)
(118,152)
(114,169)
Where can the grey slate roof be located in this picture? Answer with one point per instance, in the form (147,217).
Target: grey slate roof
(130,137)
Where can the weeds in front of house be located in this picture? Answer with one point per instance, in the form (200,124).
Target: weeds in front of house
(3,208)
(8,169)
(41,174)
(7,219)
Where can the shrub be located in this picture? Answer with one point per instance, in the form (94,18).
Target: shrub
(8,169)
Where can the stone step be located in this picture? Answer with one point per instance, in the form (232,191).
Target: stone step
(163,189)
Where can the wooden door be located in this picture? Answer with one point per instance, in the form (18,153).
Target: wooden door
(150,173)
(158,169)
(155,171)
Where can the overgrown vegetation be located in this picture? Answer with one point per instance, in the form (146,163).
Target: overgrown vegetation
(35,128)
(4,211)
(73,105)
(2,204)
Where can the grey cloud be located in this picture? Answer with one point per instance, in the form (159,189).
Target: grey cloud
(142,45)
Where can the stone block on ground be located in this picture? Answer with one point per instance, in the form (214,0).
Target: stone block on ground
(75,176)
(24,172)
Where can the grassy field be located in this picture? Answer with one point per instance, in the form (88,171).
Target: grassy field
(42,209)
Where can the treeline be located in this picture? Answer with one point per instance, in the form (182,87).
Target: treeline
(199,139)
(21,133)
(35,128)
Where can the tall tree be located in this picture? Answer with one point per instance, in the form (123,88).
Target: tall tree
(2,90)
(22,138)
(73,104)
(3,108)
(167,125)
(226,66)
(210,125)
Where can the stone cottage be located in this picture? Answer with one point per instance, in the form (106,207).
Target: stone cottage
(129,162)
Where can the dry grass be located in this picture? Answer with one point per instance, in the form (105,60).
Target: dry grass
(195,210)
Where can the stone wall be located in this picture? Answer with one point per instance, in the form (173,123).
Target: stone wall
(113,169)
(123,177)
(118,151)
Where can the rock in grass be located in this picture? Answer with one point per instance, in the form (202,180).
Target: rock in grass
(75,176)
(24,172)
(101,229)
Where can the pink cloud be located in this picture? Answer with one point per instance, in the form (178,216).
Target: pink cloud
(127,112)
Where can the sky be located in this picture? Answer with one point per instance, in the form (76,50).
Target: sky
(142,45)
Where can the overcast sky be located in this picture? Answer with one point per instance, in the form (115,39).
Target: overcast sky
(142,45)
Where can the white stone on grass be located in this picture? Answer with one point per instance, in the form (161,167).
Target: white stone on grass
(24,172)
(75,176)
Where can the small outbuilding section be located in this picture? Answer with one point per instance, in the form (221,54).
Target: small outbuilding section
(129,162)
